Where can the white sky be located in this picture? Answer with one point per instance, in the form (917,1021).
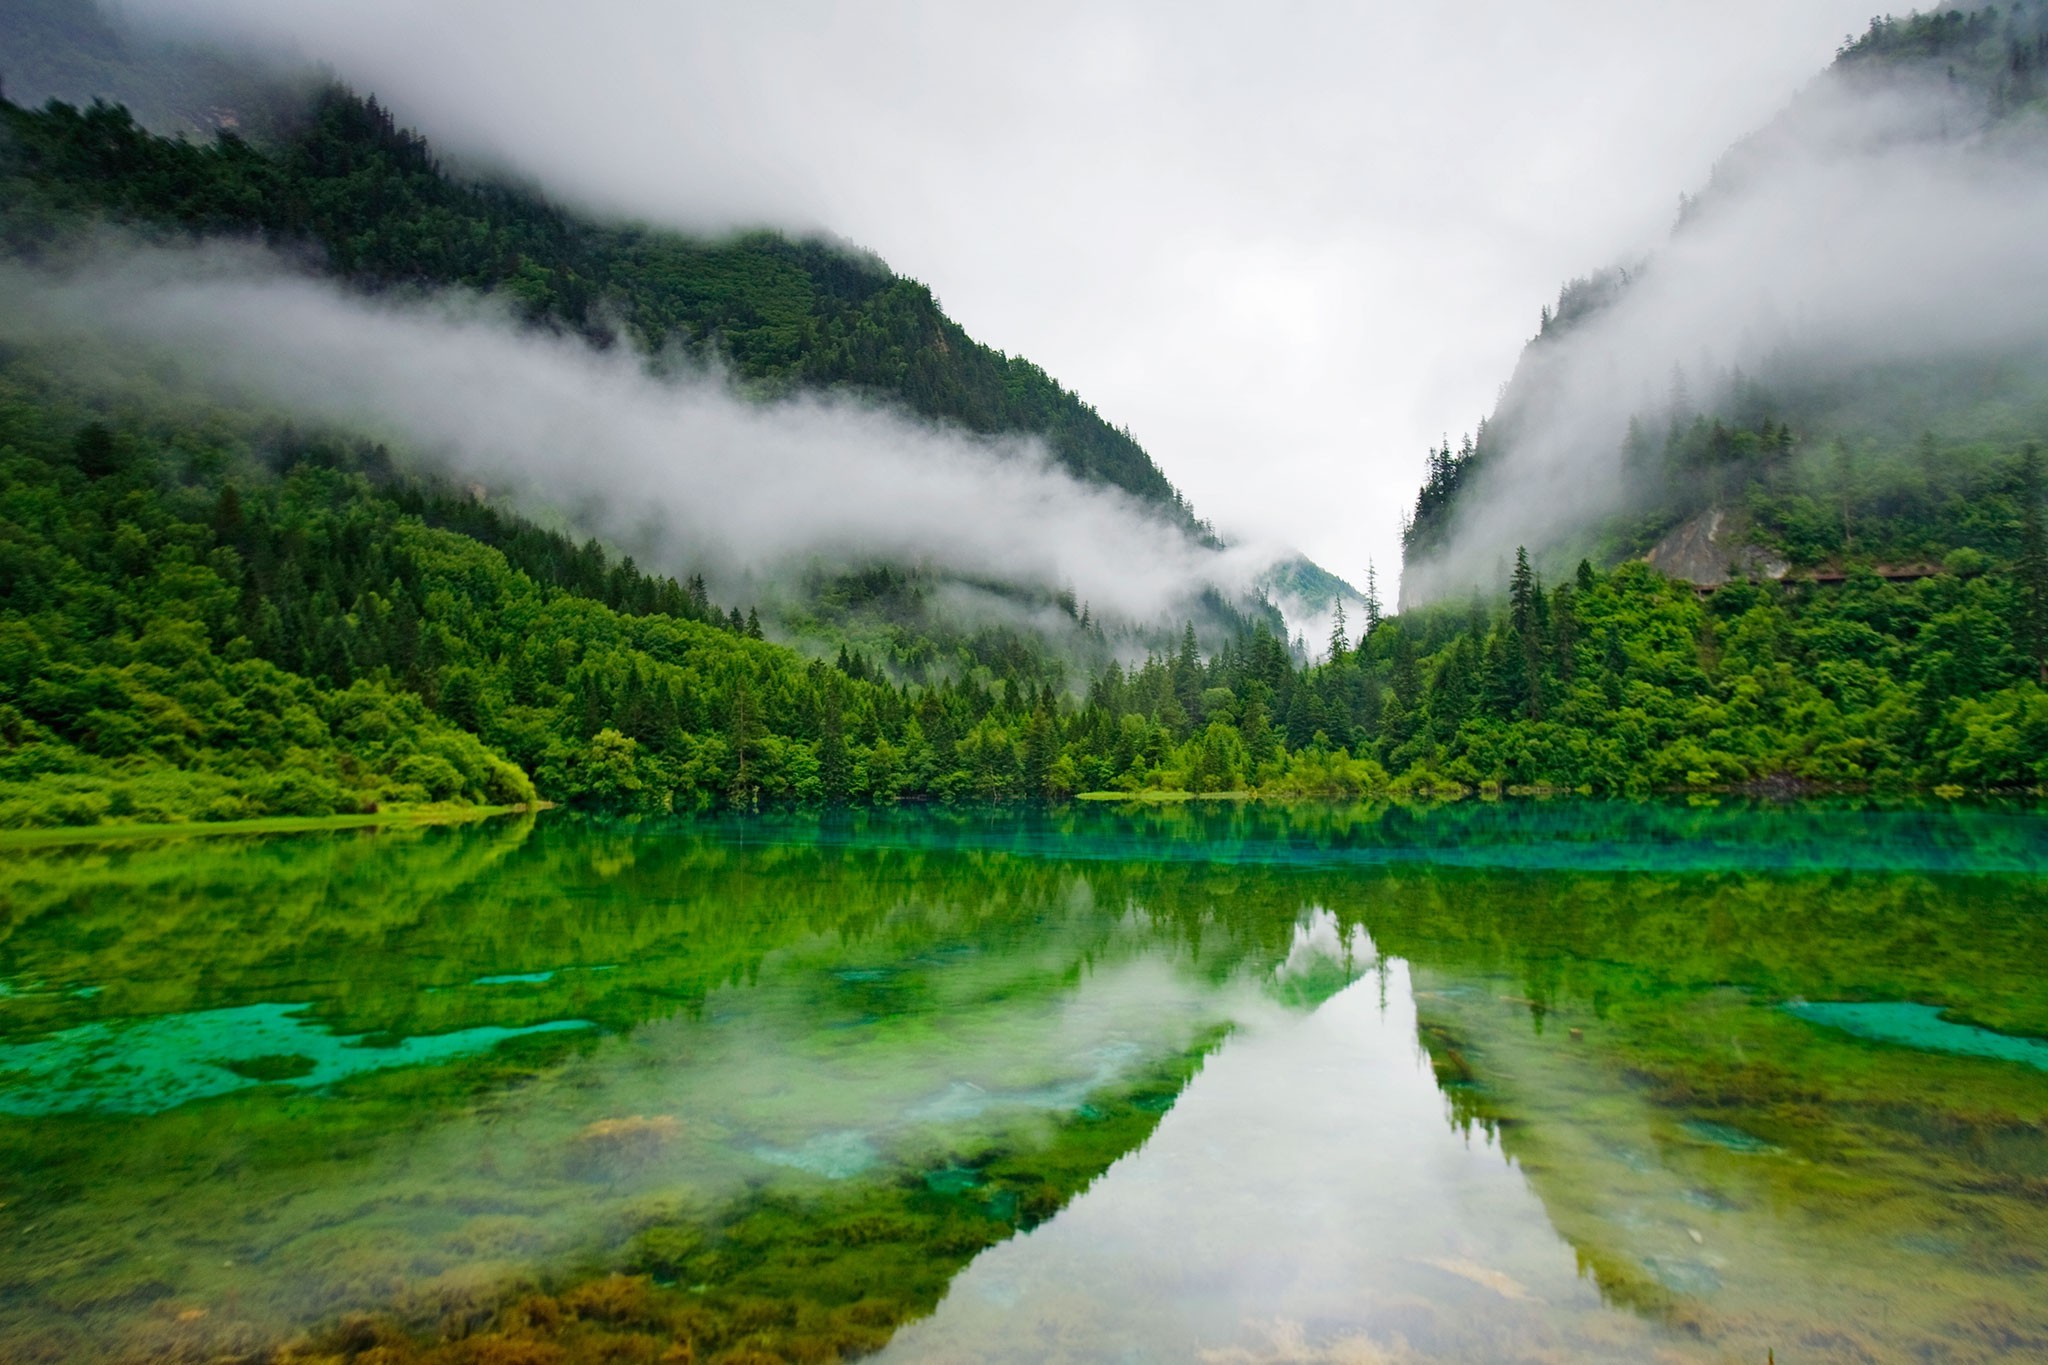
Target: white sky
(1288,245)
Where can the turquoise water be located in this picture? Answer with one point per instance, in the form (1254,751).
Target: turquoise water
(1921,1026)
(144,1066)
(1521,1081)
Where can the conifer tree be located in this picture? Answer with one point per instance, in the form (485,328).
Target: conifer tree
(1526,614)
(744,728)
(2033,563)
(834,766)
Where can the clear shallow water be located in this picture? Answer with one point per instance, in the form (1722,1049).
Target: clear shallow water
(1546,1082)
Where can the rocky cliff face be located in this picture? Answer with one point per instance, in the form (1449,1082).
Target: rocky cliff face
(1708,549)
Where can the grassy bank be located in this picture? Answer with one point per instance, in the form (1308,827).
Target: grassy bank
(429,813)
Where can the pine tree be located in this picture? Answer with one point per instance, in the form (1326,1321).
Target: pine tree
(1564,629)
(1257,728)
(745,727)
(1041,749)
(2033,563)
(227,515)
(1503,675)
(1522,594)
(1340,644)
(834,766)
(1187,670)
(1302,720)
(1527,613)
(1404,709)
(1450,692)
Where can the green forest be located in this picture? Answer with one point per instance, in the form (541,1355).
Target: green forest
(202,622)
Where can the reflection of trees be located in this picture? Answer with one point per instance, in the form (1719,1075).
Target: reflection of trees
(1618,1037)
(1617,925)
(377,928)
(387,933)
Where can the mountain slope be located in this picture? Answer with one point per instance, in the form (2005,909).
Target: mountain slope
(1835,360)
(370,200)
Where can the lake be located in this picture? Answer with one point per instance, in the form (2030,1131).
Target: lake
(1490,1082)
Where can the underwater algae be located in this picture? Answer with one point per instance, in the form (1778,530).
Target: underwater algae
(830,1078)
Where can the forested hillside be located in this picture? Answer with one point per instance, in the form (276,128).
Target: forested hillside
(206,616)
(1803,427)
(342,181)
(202,617)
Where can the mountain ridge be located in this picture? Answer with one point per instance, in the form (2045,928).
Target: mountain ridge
(784,313)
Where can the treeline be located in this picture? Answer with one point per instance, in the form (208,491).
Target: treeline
(343,182)
(1628,682)
(194,628)
(2003,47)
(203,619)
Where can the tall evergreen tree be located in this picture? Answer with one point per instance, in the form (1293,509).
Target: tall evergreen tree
(1527,613)
(2033,563)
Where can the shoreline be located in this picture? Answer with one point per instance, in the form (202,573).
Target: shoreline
(263,824)
(436,814)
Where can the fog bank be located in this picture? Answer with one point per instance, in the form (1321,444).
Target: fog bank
(680,468)
(1285,246)
(1884,220)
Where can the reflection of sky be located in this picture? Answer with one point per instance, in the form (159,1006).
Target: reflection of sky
(1304,1199)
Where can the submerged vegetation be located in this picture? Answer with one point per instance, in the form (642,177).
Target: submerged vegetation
(621,1189)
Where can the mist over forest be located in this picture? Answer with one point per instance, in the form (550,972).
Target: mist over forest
(673,462)
(731,437)
(1859,277)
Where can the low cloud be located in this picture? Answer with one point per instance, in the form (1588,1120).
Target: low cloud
(1881,221)
(1282,246)
(678,467)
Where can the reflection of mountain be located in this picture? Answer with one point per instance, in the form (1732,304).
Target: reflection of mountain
(1304,1201)
(824,1077)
